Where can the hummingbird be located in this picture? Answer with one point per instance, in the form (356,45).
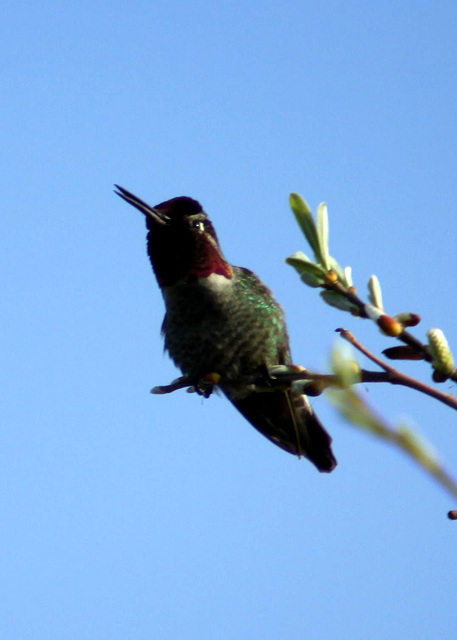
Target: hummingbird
(222,322)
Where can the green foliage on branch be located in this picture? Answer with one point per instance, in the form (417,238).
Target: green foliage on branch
(338,290)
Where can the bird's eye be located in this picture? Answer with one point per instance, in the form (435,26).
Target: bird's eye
(198,225)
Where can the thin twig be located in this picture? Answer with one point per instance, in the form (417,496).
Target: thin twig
(397,377)
(405,336)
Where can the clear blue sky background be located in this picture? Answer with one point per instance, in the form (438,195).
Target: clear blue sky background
(124,515)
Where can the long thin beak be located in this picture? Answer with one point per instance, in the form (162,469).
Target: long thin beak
(155,214)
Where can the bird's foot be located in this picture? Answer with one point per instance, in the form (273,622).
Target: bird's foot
(204,387)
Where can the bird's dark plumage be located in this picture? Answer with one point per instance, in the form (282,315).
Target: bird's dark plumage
(222,319)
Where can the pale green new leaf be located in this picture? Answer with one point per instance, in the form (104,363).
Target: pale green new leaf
(337,300)
(344,365)
(323,233)
(298,257)
(305,219)
(312,274)
(357,411)
(348,276)
(311,279)
(375,293)
(415,444)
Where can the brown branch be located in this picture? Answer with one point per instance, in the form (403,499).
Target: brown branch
(394,376)
(405,336)
(316,383)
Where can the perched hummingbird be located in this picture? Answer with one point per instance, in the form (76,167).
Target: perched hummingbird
(221,319)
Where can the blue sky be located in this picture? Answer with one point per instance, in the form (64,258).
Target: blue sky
(125,515)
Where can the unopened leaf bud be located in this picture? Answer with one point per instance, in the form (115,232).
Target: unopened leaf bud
(404,352)
(331,276)
(408,319)
(388,325)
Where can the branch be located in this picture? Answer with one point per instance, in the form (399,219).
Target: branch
(326,273)
(394,376)
(404,336)
(338,291)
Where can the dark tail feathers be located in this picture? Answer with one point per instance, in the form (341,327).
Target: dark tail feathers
(289,422)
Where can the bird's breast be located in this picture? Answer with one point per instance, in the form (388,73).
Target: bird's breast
(213,326)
